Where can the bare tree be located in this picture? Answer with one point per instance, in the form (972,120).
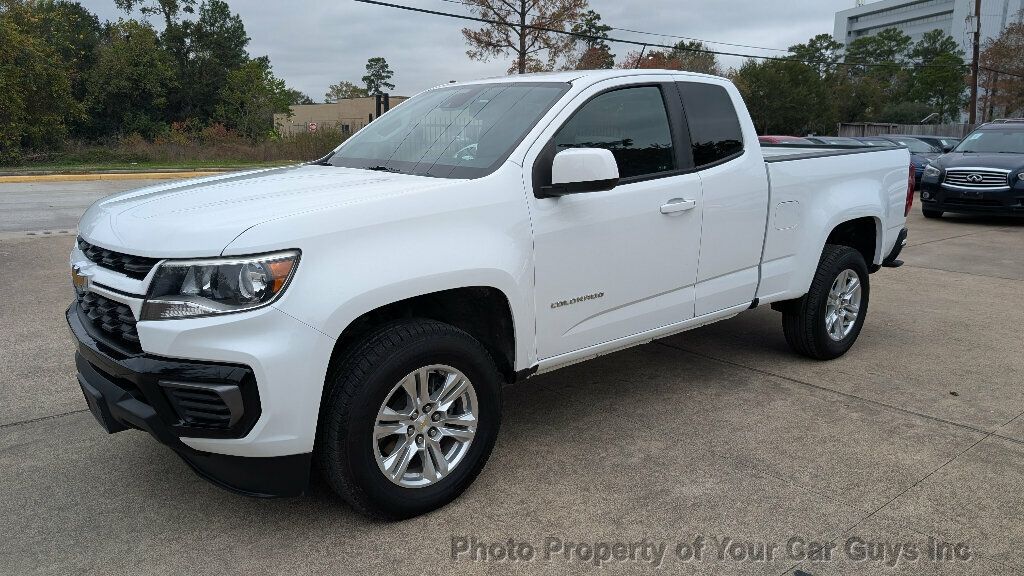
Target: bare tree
(533,49)
(1002,73)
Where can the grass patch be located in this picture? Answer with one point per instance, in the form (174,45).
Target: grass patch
(212,147)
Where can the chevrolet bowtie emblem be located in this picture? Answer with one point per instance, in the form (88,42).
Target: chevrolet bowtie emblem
(80,277)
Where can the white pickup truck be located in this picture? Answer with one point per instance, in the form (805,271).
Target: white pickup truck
(363,312)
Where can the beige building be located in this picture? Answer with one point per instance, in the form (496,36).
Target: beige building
(348,115)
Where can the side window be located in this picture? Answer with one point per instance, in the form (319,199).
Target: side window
(714,126)
(632,123)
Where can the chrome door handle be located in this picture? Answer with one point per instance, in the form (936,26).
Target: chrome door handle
(678,205)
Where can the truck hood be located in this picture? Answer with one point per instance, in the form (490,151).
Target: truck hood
(201,217)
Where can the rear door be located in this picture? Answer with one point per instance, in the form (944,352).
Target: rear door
(620,262)
(734,183)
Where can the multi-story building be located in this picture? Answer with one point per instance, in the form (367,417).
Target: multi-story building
(915,17)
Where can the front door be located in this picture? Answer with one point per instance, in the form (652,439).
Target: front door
(616,263)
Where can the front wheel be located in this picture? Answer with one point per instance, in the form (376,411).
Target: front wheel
(825,323)
(409,419)
(931,213)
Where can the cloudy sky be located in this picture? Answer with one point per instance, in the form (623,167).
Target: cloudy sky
(315,43)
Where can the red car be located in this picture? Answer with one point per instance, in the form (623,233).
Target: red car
(783,140)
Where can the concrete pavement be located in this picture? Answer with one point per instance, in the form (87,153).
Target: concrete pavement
(916,434)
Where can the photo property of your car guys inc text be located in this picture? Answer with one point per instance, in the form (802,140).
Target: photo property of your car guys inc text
(531,286)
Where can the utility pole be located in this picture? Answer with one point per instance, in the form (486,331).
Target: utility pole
(976,62)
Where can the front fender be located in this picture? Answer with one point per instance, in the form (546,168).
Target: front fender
(470,234)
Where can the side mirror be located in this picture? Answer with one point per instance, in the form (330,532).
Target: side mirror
(579,170)
(947,149)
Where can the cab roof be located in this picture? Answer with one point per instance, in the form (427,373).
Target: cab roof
(572,76)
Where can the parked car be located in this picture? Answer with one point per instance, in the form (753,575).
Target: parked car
(941,143)
(835,140)
(921,153)
(984,174)
(365,310)
(783,140)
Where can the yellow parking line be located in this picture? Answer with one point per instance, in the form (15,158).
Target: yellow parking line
(27,178)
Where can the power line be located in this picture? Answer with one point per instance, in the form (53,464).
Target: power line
(701,40)
(1003,72)
(648,44)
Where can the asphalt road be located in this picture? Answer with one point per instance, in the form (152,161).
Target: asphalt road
(721,432)
(54,207)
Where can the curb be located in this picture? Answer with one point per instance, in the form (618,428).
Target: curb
(28,178)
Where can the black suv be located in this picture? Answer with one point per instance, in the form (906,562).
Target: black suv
(984,174)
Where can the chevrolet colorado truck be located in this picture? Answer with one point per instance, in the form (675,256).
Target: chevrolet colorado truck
(359,315)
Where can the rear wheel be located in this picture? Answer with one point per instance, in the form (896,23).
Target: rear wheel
(931,213)
(825,323)
(409,419)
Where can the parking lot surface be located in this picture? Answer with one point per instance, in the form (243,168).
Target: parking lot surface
(915,437)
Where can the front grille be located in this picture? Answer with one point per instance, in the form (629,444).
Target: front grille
(980,179)
(132,266)
(205,405)
(112,318)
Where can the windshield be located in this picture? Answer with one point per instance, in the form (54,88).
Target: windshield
(457,132)
(916,146)
(994,141)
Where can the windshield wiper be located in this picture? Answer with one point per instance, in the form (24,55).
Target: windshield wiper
(383,169)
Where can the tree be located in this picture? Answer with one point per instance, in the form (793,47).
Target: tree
(596,54)
(214,45)
(784,97)
(938,79)
(933,45)
(691,56)
(36,101)
(127,88)
(378,76)
(72,31)
(904,112)
(344,89)
(169,10)
(1002,73)
(532,49)
(250,98)
(296,97)
(821,52)
(888,52)
(695,56)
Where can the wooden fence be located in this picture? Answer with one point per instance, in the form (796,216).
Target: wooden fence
(859,129)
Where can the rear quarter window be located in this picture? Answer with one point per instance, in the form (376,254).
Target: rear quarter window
(715,132)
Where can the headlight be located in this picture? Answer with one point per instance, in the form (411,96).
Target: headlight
(931,171)
(190,288)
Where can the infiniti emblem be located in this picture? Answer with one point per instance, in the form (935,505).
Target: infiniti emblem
(975,178)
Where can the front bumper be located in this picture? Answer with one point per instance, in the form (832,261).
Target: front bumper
(132,391)
(1008,202)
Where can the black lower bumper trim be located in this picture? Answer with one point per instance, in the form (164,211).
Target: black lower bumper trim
(272,477)
(121,397)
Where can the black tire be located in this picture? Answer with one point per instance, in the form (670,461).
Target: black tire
(356,388)
(931,213)
(803,320)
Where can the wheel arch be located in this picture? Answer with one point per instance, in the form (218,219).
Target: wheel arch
(864,234)
(484,312)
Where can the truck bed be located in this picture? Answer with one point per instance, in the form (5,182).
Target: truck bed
(787,152)
(813,188)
